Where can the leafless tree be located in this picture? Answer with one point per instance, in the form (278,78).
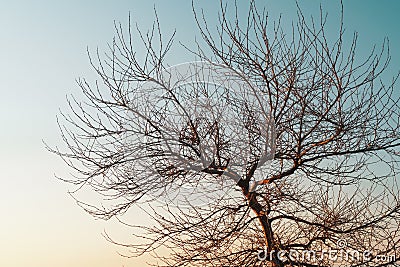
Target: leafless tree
(329,122)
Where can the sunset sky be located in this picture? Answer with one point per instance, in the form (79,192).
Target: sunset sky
(42,51)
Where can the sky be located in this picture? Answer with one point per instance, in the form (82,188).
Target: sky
(42,51)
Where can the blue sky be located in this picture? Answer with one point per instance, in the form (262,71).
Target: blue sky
(42,51)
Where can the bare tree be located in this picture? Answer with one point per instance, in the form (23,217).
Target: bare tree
(326,118)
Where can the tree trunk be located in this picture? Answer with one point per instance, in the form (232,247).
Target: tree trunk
(262,216)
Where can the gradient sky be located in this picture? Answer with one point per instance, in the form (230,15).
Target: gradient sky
(42,50)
